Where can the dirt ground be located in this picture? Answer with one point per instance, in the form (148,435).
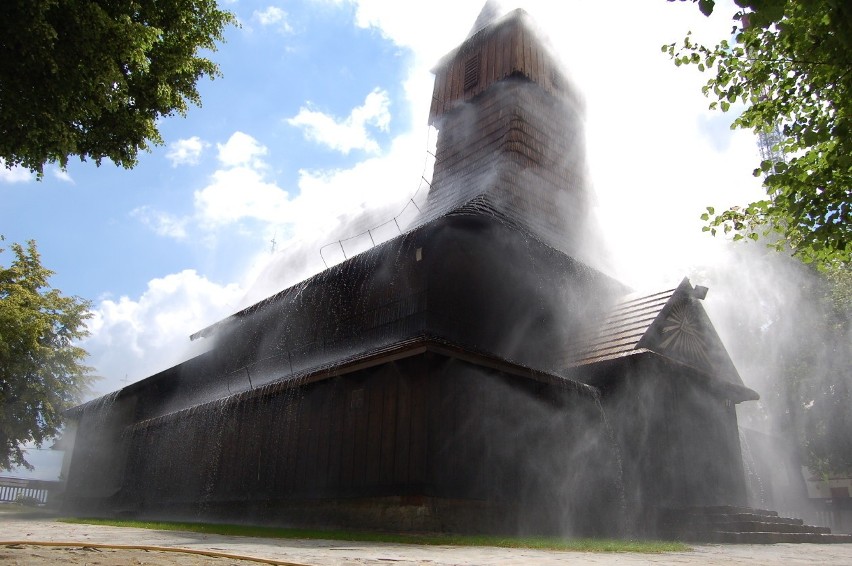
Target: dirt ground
(25,555)
(18,535)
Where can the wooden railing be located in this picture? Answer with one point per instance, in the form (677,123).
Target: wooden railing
(34,491)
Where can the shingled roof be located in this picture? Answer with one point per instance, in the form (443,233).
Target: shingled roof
(621,329)
(670,323)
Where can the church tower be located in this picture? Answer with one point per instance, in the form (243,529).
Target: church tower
(510,132)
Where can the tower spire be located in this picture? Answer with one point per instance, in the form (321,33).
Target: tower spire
(491,10)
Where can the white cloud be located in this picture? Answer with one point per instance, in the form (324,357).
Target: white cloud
(272,15)
(62,175)
(326,205)
(351,132)
(240,193)
(242,189)
(413,24)
(186,151)
(341,204)
(239,190)
(138,337)
(241,150)
(16,174)
(163,223)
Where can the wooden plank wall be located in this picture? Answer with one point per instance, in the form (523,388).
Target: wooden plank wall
(509,48)
(364,434)
(525,149)
(426,426)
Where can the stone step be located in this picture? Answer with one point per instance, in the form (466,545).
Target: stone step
(747,518)
(770,527)
(773,538)
(726,519)
(722,510)
(741,525)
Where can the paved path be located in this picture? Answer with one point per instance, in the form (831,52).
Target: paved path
(323,552)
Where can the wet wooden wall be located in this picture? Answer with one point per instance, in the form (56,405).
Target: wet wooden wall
(509,47)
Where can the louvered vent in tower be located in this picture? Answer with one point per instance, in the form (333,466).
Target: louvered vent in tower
(471,72)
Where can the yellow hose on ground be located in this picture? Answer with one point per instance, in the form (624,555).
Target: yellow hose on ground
(211,553)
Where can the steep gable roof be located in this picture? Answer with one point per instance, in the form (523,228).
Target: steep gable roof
(621,330)
(670,323)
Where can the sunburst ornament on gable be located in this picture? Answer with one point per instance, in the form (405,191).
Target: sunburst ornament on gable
(682,334)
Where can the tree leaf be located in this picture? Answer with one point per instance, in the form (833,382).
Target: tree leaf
(93,79)
(41,367)
(789,65)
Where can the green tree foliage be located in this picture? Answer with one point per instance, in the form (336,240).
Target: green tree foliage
(790,65)
(41,369)
(90,78)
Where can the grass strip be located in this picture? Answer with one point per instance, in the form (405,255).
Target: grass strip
(541,543)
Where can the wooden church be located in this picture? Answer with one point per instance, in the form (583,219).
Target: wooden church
(474,374)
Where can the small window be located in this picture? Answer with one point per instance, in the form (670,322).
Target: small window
(471,72)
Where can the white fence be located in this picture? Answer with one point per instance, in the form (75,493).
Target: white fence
(13,489)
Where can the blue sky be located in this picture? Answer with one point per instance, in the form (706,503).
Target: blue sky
(317,130)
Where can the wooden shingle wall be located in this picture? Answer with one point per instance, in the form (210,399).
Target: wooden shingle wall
(521,149)
(509,47)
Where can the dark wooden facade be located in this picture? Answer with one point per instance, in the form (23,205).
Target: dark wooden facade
(678,435)
(427,400)
(437,440)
